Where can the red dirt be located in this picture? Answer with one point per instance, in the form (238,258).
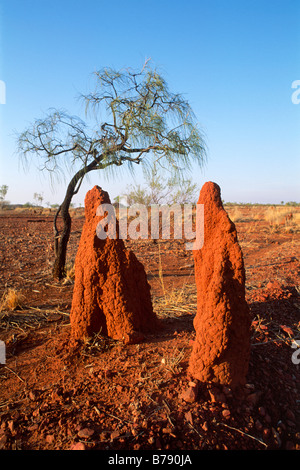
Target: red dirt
(222,345)
(111,292)
(116,396)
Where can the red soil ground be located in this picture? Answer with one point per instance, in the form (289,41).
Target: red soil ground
(116,396)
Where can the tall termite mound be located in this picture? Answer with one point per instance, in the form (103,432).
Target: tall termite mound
(222,323)
(111,292)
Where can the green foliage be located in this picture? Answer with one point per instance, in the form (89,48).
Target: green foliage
(38,199)
(145,123)
(162,190)
(292,203)
(3,192)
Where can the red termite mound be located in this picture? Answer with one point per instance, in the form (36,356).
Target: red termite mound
(111,292)
(222,344)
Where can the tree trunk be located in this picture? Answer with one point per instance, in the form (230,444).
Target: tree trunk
(61,239)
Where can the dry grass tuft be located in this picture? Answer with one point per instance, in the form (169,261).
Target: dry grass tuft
(172,362)
(282,217)
(11,300)
(235,214)
(70,274)
(177,302)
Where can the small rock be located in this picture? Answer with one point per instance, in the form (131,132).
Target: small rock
(190,394)
(193,384)
(167,430)
(188,416)
(216,395)
(77,446)
(266,433)
(287,330)
(205,426)
(114,435)
(104,436)
(34,427)
(11,425)
(151,440)
(32,395)
(226,413)
(85,433)
(50,438)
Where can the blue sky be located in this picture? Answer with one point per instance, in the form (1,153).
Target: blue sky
(234,61)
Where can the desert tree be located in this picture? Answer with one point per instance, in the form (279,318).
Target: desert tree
(131,118)
(38,197)
(161,188)
(3,192)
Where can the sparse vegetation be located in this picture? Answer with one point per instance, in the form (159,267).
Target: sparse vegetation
(161,190)
(11,300)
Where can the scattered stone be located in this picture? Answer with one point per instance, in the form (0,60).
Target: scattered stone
(104,436)
(188,416)
(287,330)
(204,426)
(111,292)
(216,395)
(78,446)
(114,435)
(11,425)
(86,433)
(50,438)
(222,345)
(189,394)
(32,395)
(226,413)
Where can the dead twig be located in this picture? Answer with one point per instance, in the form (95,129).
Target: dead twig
(20,378)
(243,433)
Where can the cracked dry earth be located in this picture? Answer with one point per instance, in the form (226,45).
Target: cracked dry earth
(139,397)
